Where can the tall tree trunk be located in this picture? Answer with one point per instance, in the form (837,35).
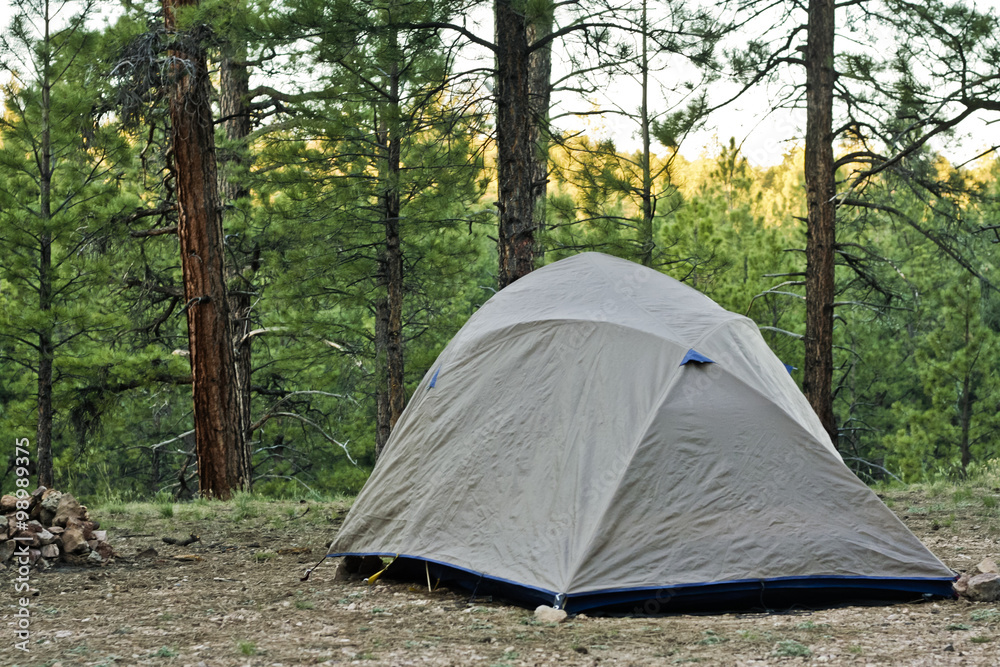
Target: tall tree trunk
(540,95)
(817,381)
(966,402)
(46,353)
(234,106)
(515,149)
(390,395)
(646,226)
(218,435)
(966,421)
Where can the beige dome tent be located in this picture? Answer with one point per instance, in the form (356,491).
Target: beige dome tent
(599,434)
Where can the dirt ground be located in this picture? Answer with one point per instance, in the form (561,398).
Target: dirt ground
(238,600)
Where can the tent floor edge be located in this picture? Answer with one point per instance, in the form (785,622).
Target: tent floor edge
(816,592)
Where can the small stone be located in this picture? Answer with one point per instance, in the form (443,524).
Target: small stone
(49,505)
(50,551)
(6,550)
(101,535)
(546,614)
(68,508)
(962,585)
(987,566)
(96,557)
(105,549)
(984,587)
(73,541)
(364,566)
(8,503)
(949,648)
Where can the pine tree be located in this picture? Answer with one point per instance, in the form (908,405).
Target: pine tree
(54,184)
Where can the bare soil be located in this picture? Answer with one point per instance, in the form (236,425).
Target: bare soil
(238,600)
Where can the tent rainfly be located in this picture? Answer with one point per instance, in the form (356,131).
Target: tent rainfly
(599,435)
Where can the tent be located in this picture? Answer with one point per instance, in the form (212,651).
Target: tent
(601,435)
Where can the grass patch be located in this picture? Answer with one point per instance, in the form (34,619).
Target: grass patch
(985,615)
(792,649)
(247,648)
(165,652)
(712,638)
(245,507)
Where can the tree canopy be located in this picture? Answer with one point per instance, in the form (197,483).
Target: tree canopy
(370,172)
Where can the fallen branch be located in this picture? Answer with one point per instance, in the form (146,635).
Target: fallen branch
(182,543)
(158,231)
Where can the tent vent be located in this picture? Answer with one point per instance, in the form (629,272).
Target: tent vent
(695,357)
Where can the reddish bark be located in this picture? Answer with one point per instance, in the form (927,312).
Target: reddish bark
(515,148)
(218,435)
(820,177)
(234,107)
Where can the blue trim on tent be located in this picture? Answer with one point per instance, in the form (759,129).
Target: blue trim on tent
(435,378)
(776,592)
(789,367)
(696,357)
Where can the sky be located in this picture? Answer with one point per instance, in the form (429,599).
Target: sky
(765,136)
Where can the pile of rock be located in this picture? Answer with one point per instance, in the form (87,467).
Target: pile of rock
(981,585)
(53,526)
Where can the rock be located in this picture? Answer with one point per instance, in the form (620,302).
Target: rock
(45,537)
(101,535)
(341,573)
(32,540)
(50,504)
(364,566)
(73,541)
(67,510)
(546,614)
(105,549)
(6,550)
(984,587)
(8,504)
(987,566)
(961,585)
(50,551)
(36,495)
(96,557)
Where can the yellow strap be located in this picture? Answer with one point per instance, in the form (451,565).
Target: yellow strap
(372,579)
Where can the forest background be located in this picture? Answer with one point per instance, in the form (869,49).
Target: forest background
(365,210)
